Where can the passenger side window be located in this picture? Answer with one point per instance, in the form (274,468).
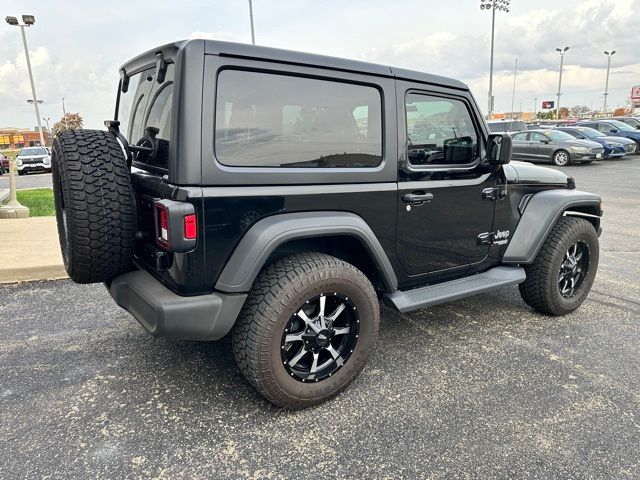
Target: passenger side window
(274,120)
(520,137)
(439,131)
(538,137)
(604,128)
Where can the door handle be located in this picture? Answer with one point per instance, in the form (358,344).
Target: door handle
(417,198)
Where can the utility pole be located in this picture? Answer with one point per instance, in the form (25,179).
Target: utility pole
(253,35)
(562,52)
(535,107)
(606,87)
(513,93)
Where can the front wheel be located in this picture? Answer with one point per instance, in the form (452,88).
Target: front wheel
(561,158)
(560,277)
(306,329)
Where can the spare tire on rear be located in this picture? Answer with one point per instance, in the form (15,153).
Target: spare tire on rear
(95,205)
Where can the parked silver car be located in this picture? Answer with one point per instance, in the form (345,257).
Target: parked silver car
(33,159)
(554,146)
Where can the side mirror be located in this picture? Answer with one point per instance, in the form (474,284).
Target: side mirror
(546,142)
(499,149)
(614,130)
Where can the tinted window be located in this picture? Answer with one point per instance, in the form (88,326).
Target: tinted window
(160,112)
(130,99)
(621,126)
(269,120)
(497,127)
(559,136)
(590,132)
(537,137)
(520,136)
(605,127)
(440,131)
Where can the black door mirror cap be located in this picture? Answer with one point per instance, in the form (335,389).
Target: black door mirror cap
(499,149)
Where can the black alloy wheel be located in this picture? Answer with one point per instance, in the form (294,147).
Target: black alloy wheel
(320,337)
(574,269)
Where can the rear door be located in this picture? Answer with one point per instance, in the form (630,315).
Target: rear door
(441,210)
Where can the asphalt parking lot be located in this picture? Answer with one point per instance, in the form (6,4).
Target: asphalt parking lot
(33,180)
(482,388)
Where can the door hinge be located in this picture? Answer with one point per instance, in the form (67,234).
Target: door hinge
(494,193)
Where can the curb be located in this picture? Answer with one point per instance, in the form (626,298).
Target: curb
(31,274)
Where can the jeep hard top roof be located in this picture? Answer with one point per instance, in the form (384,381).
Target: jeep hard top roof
(241,50)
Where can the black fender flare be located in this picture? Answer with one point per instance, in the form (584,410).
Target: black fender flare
(540,215)
(267,234)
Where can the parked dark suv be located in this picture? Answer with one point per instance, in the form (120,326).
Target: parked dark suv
(279,196)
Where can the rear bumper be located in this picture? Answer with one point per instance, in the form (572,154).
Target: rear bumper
(164,313)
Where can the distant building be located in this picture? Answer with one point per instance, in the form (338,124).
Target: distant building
(11,137)
(524,116)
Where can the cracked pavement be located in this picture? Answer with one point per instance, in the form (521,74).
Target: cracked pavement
(483,387)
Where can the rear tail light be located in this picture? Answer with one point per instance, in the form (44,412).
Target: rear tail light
(163,225)
(176,226)
(190,227)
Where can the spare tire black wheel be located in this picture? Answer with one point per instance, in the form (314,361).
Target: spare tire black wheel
(95,205)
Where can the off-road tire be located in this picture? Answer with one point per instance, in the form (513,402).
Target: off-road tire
(540,290)
(278,291)
(95,205)
(558,153)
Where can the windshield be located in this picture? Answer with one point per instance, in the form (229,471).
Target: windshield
(558,136)
(621,126)
(590,132)
(33,151)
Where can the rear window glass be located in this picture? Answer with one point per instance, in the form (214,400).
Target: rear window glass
(508,126)
(148,104)
(272,120)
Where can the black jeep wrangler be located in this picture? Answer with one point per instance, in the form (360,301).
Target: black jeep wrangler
(278,196)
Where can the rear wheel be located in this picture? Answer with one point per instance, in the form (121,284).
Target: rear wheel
(95,205)
(306,329)
(560,277)
(561,158)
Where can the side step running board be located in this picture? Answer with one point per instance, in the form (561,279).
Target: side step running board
(455,289)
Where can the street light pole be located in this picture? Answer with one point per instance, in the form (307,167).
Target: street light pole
(33,88)
(562,52)
(13,209)
(606,87)
(253,35)
(46,119)
(493,5)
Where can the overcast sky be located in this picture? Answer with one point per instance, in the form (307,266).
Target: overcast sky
(77,46)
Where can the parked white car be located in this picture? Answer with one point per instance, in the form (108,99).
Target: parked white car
(33,159)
